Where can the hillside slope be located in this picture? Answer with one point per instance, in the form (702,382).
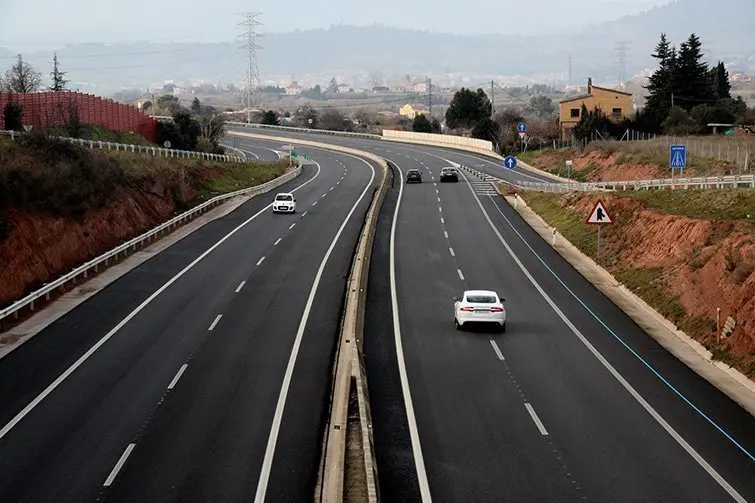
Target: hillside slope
(686,253)
(61,204)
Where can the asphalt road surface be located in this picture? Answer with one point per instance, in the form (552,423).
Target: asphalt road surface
(573,403)
(203,374)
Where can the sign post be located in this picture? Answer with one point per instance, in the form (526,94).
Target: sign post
(521,128)
(568,171)
(677,160)
(599,216)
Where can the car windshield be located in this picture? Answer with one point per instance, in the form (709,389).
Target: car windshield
(481,299)
(284,197)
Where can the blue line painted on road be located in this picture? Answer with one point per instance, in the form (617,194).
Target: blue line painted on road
(623,343)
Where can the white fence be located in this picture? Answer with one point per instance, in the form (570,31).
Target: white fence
(155,151)
(133,244)
(305,130)
(710,182)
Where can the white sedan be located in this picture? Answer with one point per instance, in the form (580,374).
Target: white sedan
(479,306)
(284,202)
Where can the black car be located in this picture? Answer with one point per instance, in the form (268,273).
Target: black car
(413,175)
(449,175)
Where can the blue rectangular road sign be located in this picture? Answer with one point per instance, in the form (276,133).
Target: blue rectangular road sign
(678,156)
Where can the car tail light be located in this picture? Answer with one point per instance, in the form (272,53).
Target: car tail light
(467,309)
(496,309)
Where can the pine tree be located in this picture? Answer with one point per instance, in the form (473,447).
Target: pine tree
(691,84)
(660,85)
(719,81)
(58,78)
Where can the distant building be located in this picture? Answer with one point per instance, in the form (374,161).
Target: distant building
(617,105)
(740,77)
(294,88)
(402,87)
(408,111)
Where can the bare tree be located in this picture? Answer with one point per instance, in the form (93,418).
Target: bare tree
(58,78)
(22,77)
(212,127)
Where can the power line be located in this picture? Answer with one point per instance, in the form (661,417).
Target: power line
(250,36)
(621,55)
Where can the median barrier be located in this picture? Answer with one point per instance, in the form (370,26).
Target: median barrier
(349,374)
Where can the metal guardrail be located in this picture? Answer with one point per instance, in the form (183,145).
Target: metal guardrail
(710,182)
(148,236)
(306,130)
(155,151)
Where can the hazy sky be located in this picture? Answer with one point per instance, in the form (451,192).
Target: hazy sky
(26,23)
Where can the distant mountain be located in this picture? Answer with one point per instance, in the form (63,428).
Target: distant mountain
(350,51)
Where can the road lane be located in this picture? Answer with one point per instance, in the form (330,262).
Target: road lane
(478,440)
(75,435)
(605,437)
(209,437)
(719,431)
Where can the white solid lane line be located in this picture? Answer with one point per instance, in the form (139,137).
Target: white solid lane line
(461,276)
(536,420)
(178,376)
(606,364)
(419,462)
(451,251)
(241,285)
(83,358)
(214,323)
(119,465)
(272,439)
(260,260)
(292,225)
(277,241)
(497,350)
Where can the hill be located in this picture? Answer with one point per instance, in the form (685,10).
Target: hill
(350,52)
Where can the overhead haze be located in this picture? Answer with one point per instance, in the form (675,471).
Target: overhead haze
(52,22)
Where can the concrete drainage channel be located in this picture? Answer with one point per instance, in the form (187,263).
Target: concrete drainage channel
(348,468)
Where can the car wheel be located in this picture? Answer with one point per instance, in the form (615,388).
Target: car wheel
(458,326)
(502,329)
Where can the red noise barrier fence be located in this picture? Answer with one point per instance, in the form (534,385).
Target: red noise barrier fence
(47,109)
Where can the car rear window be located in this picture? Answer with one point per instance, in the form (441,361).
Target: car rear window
(413,172)
(283,198)
(481,299)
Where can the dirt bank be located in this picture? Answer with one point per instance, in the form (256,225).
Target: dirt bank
(686,253)
(61,205)
(610,161)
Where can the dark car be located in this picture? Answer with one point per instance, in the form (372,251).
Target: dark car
(449,175)
(413,175)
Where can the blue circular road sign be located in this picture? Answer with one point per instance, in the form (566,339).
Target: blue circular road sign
(510,162)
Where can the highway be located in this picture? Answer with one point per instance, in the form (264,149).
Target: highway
(202,374)
(573,403)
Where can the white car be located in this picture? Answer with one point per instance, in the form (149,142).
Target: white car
(479,307)
(284,202)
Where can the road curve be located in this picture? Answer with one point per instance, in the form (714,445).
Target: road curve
(180,400)
(575,402)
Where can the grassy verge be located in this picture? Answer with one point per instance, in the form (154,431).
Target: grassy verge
(639,153)
(63,179)
(653,284)
(99,133)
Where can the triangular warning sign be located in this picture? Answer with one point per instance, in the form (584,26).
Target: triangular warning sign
(599,215)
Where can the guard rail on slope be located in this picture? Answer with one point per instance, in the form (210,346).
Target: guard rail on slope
(290,129)
(710,182)
(125,147)
(147,237)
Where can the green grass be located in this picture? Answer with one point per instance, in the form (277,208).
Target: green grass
(713,204)
(239,176)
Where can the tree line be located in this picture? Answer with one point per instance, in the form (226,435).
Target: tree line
(685,94)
